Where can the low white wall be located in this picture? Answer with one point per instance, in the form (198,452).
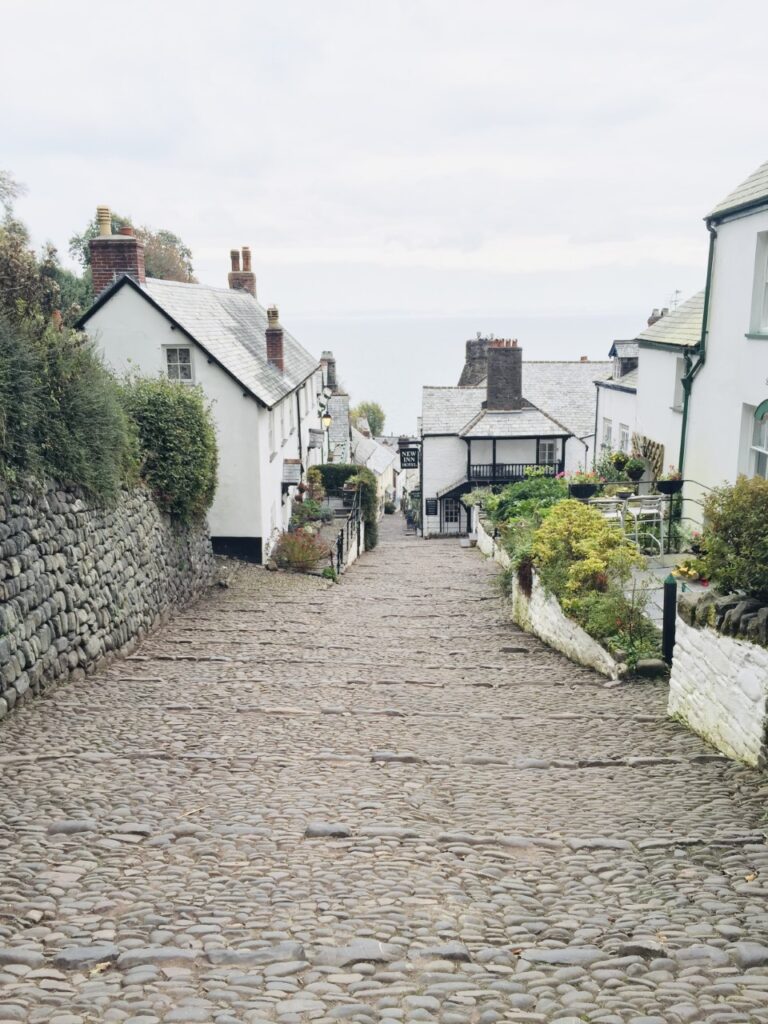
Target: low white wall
(542,615)
(719,687)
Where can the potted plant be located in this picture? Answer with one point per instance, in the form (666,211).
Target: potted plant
(619,460)
(583,484)
(634,469)
(671,482)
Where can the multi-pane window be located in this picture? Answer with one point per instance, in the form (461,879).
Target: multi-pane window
(760,447)
(624,437)
(607,432)
(451,510)
(178,363)
(547,452)
(759,324)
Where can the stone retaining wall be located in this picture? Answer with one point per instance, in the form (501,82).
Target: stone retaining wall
(719,687)
(79,582)
(542,615)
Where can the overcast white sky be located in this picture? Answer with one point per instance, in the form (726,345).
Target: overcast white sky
(402,168)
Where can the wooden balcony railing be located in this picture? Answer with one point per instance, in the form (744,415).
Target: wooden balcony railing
(509,472)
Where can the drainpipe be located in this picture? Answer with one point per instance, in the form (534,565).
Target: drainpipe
(594,443)
(700,350)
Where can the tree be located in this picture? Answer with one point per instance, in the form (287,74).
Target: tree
(28,287)
(372,412)
(165,254)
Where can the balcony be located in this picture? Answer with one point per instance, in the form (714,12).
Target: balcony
(509,472)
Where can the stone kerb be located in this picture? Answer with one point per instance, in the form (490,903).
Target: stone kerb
(719,684)
(79,582)
(542,615)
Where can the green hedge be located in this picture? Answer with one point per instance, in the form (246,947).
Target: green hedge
(735,538)
(336,474)
(178,444)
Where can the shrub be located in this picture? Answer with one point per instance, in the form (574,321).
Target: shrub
(735,538)
(60,411)
(177,444)
(575,550)
(528,498)
(309,511)
(336,474)
(389,508)
(315,487)
(299,550)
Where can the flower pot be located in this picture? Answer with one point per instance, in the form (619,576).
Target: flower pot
(583,490)
(669,486)
(624,494)
(635,474)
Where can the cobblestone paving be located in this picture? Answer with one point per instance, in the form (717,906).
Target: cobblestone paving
(373,802)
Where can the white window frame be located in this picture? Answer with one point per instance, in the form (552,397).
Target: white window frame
(272,445)
(177,364)
(625,437)
(548,444)
(759,448)
(455,507)
(759,318)
(677,396)
(607,432)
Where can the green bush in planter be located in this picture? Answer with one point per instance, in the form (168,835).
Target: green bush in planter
(735,537)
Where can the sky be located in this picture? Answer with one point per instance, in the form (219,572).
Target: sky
(406,172)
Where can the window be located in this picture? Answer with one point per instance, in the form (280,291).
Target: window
(759,318)
(291,413)
(451,510)
(677,397)
(272,446)
(283,434)
(547,452)
(624,437)
(760,446)
(178,363)
(607,432)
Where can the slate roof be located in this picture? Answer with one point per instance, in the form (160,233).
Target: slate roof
(627,382)
(563,391)
(231,325)
(528,422)
(681,327)
(338,432)
(749,193)
(624,349)
(367,452)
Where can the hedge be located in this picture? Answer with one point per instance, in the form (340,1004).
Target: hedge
(336,474)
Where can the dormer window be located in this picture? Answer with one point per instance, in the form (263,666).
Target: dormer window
(178,362)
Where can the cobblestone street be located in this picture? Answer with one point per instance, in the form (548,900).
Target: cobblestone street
(375,802)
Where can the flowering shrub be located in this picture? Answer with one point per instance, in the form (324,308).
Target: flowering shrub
(299,550)
(735,539)
(583,476)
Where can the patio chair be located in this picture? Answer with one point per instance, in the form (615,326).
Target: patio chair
(610,509)
(642,515)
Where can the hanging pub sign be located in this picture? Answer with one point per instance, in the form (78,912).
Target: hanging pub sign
(409,458)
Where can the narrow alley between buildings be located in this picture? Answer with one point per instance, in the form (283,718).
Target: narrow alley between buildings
(376,802)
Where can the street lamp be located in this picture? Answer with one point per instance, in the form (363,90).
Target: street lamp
(326,419)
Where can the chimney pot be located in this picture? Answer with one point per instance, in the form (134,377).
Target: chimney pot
(127,231)
(584,359)
(104,221)
(242,280)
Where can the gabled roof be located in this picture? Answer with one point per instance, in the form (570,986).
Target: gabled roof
(752,192)
(230,326)
(626,383)
(624,350)
(679,329)
(528,422)
(448,410)
(367,452)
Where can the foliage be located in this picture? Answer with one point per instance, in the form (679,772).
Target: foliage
(619,460)
(60,411)
(165,254)
(575,551)
(735,539)
(309,511)
(526,499)
(336,474)
(389,508)
(329,573)
(585,476)
(372,412)
(315,487)
(299,550)
(634,466)
(611,465)
(178,444)
(673,473)
(619,622)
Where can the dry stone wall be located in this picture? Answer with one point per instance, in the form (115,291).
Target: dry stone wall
(79,582)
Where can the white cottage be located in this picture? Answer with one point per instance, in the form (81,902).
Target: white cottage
(264,387)
(725,388)
(505,416)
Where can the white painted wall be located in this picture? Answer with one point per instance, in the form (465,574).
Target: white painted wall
(735,373)
(620,407)
(249,500)
(657,392)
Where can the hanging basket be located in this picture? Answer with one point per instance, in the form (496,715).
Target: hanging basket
(669,486)
(583,490)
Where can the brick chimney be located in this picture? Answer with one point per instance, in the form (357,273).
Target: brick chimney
(475,362)
(242,280)
(505,376)
(114,255)
(275,339)
(328,363)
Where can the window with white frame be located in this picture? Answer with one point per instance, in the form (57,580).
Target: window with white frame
(677,397)
(291,413)
(759,450)
(607,432)
(450,510)
(548,452)
(178,363)
(272,446)
(759,319)
(624,437)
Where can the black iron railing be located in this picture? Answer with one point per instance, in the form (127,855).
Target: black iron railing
(509,472)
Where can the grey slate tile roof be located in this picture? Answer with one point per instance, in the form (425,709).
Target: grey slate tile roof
(753,190)
(624,349)
(518,423)
(629,380)
(562,391)
(232,326)
(680,327)
(367,452)
(338,432)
